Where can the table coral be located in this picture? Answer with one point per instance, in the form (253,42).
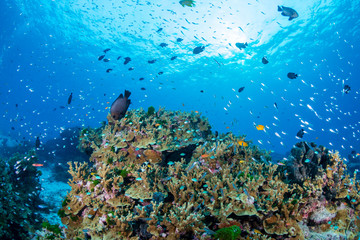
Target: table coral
(164,175)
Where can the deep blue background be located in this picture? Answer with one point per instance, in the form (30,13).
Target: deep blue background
(50,49)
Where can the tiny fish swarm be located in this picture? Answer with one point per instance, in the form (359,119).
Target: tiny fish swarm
(164,175)
(19,197)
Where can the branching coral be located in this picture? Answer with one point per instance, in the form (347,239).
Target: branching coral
(163,175)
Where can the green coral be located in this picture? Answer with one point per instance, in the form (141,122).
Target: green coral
(151,111)
(52,228)
(229,233)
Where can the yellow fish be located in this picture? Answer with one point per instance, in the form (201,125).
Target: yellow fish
(260,127)
(189,3)
(243,143)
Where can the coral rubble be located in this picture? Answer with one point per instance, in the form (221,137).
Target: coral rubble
(164,175)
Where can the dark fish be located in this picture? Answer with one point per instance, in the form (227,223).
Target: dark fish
(16,105)
(143,88)
(152,61)
(120,105)
(12,128)
(106,60)
(160,73)
(118,57)
(241,89)
(141,78)
(179,39)
(127,60)
(300,133)
(276,106)
(101,57)
(347,89)
(106,50)
(108,70)
(163,45)
(173,58)
(288,12)
(198,50)
(130,69)
(159,30)
(70,98)
(201,91)
(241,45)
(265,60)
(292,75)
(37,142)
(62,107)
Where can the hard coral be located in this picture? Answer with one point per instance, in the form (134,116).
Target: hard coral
(169,177)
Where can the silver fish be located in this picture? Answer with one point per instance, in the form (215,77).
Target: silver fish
(120,106)
(288,12)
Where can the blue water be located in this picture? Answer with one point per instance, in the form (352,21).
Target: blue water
(51,48)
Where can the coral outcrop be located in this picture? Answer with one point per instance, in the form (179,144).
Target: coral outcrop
(19,197)
(164,175)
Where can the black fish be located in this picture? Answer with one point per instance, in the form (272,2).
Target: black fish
(130,69)
(163,45)
(179,39)
(101,57)
(106,50)
(143,88)
(160,73)
(198,50)
(300,133)
(201,91)
(127,60)
(16,105)
(152,61)
(241,89)
(12,128)
(159,30)
(276,106)
(70,98)
(62,107)
(106,60)
(108,70)
(37,142)
(288,12)
(173,58)
(292,75)
(347,89)
(141,78)
(241,45)
(118,57)
(120,105)
(264,60)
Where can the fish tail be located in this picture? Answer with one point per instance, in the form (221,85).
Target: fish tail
(279,9)
(127,93)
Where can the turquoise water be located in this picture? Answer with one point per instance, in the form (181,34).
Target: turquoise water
(51,48)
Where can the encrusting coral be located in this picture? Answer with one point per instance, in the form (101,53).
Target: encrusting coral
(164,175)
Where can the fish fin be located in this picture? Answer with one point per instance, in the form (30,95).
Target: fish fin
(127,93)
(128,102)
(121,95)
(291,18)
(279,9)
(284,14)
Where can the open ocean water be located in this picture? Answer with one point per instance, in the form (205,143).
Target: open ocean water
(229,60)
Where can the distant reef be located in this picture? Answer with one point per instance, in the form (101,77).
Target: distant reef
(165,175)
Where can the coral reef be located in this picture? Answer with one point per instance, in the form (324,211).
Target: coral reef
(19,197)
(164,175)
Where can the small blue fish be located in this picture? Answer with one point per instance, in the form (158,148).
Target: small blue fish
(307,160)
